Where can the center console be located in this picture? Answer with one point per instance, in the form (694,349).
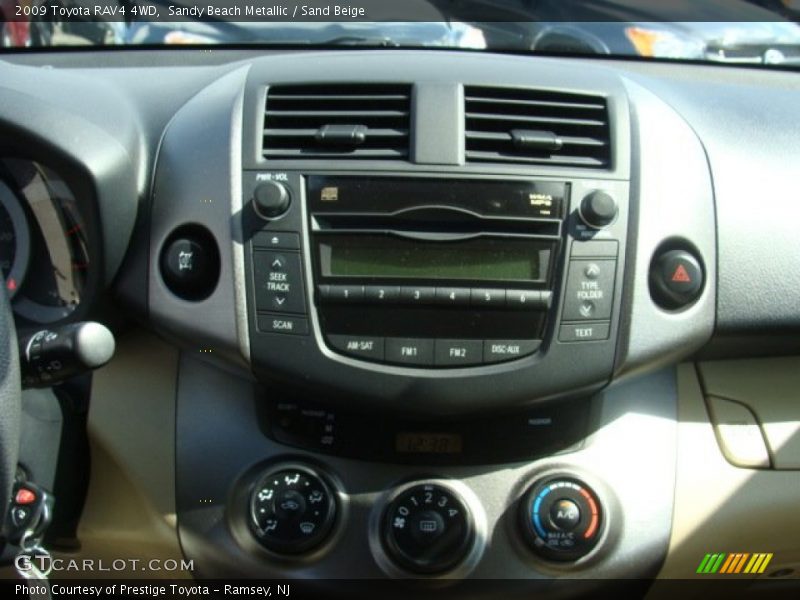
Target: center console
(438,344)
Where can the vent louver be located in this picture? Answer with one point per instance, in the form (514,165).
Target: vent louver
(337,121)
(511,125)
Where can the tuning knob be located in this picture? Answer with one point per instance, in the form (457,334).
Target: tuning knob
(271,199)
(598,209)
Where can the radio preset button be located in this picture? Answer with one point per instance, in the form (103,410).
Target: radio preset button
(279,282)
(524,299)
(418,295)
(345,293)
(590,290)
(409,351)
(361,346)
(458,352)
(488,297)
(453,296)
(381,293)
(502,350)
(583,332)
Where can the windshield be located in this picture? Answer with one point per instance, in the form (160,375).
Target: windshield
(762,32)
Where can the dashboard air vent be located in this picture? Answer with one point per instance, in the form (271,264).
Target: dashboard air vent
(512,125)
(369,121)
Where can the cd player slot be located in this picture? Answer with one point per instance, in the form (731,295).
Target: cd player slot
(446,227)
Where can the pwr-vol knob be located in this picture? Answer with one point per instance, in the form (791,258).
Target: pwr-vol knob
(271,199)
(561,518)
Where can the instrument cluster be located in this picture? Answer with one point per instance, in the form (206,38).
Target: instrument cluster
(44,251)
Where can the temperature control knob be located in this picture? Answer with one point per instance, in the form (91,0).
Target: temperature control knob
(292,510)
(561,518)
(598,209)
(271,199)
(427,529)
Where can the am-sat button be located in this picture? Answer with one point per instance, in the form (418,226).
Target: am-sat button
(355,345)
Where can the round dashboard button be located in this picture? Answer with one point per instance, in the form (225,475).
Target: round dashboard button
(427,529)
(676,279)
(190,263)
(292,510)
(565,514)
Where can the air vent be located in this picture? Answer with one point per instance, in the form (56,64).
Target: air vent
(511,125)
(337,121)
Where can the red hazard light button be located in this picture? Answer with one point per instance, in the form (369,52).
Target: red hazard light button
(676,279)
(24,496)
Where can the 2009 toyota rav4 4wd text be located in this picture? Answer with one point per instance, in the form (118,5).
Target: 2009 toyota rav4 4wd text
(442,298)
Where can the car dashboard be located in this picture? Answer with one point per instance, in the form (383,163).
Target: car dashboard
(453,317)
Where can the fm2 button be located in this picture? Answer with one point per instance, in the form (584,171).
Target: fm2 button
(676,279)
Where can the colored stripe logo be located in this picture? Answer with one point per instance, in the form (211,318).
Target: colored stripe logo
(733,563)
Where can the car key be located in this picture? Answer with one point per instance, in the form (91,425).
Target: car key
(30,512)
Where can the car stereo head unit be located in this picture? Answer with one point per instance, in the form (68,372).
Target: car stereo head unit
(433,273)
(398,287)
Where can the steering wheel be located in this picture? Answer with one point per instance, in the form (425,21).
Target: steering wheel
(10,391)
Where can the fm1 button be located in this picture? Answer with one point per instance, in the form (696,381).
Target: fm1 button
(409,351)
(676,279)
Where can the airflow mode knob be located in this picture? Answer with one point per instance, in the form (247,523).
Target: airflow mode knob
(292,510)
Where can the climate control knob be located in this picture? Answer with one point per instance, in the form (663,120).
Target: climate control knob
(271,199)
(561,518)
(292,510)
(427,529)
(598,209)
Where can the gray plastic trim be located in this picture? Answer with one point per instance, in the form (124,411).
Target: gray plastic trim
(671,199)
(197,180)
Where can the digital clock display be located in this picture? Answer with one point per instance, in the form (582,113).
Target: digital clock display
(428,443)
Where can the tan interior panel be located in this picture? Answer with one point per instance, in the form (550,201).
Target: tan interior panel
(723,508)
(130,506)
(771,389)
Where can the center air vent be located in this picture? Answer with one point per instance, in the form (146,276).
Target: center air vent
(511,125)
(337,121)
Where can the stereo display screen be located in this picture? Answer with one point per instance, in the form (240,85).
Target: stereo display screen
(473,260)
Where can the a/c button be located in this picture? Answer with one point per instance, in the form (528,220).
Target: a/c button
(583,332)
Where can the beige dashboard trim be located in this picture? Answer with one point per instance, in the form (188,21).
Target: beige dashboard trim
(130,507)
(720,507)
